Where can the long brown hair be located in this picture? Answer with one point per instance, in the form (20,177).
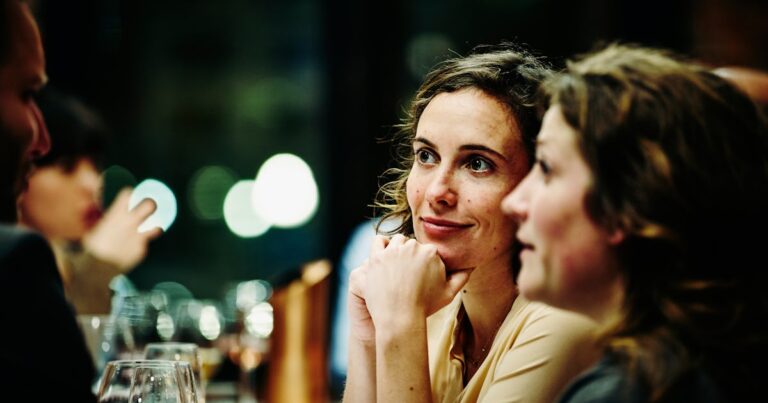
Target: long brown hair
(505,72)
(679,159)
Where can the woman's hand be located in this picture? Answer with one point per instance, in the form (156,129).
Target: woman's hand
(407,281)
(360,323)
(116,238)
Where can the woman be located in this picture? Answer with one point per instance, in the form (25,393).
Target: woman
(467,142)
(641,213)
(62,201)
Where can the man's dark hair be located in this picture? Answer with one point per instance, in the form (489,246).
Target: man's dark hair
(5,37)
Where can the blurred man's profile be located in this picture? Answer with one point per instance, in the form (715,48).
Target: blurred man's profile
(43,356)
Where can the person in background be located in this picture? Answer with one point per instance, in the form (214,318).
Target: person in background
(467,141)
(43,355)
(646,211)
(63,202)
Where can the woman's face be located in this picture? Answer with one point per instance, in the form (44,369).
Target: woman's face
(63,204)
(566,257)
(468,155)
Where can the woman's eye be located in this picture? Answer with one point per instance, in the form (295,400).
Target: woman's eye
(544,168)
(480,165)
(425,156)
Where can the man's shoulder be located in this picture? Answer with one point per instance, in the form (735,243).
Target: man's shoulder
(21,250)
(11,234)
(13,238)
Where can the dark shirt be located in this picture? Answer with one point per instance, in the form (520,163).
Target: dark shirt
(43,356)
(608,382)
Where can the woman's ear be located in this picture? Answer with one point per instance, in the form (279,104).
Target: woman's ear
(616,236)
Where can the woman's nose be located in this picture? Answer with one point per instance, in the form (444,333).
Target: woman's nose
(442,191)
(515,204)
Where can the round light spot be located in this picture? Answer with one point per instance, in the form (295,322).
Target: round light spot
(115,178)
(165,327)
(207,190)
(285,192)
(210,322)
(260,320)
(426,50)
(250,293)
(165,214)
(239,214)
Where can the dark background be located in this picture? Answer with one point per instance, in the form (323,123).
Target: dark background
(185,84)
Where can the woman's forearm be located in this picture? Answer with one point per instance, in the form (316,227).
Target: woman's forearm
(361,373)
(402,365)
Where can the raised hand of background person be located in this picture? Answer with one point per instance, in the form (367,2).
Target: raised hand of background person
(116,238)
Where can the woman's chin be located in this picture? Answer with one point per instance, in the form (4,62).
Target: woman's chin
(452,260)
(455,263)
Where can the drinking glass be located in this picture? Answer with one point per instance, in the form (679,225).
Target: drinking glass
(185,352)
(147,381)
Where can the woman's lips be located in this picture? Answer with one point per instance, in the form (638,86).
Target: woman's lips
(92,216)
(438,227)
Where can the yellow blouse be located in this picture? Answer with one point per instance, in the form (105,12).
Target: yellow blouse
(537,351)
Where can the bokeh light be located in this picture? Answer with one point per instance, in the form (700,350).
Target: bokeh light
(250,293)
(426,50)
(285,192)
(174,291)
(210,322)
(165,214)
(115,178)
(239,214)
(207,190)
(260,320)
(165,327)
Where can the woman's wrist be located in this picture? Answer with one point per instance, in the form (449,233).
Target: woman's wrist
(399,326)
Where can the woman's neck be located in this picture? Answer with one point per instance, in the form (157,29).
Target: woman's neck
(488,297)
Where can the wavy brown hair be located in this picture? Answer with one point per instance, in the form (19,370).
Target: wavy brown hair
(679,159)
(505,72)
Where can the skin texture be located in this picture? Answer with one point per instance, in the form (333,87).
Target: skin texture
(567,260)
(469,155)
(24,134)
(62,203)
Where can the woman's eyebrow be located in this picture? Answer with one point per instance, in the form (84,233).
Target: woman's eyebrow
(425,141)
(480,147)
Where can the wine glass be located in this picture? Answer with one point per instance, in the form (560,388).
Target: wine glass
(201,322)
(147,381)
(136,324)
(94,328)
(185,352)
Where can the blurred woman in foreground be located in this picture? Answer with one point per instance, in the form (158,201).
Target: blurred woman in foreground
(646,211)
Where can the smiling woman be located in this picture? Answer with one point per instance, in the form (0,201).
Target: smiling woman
(466,143)
(469,152)
(641,213)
